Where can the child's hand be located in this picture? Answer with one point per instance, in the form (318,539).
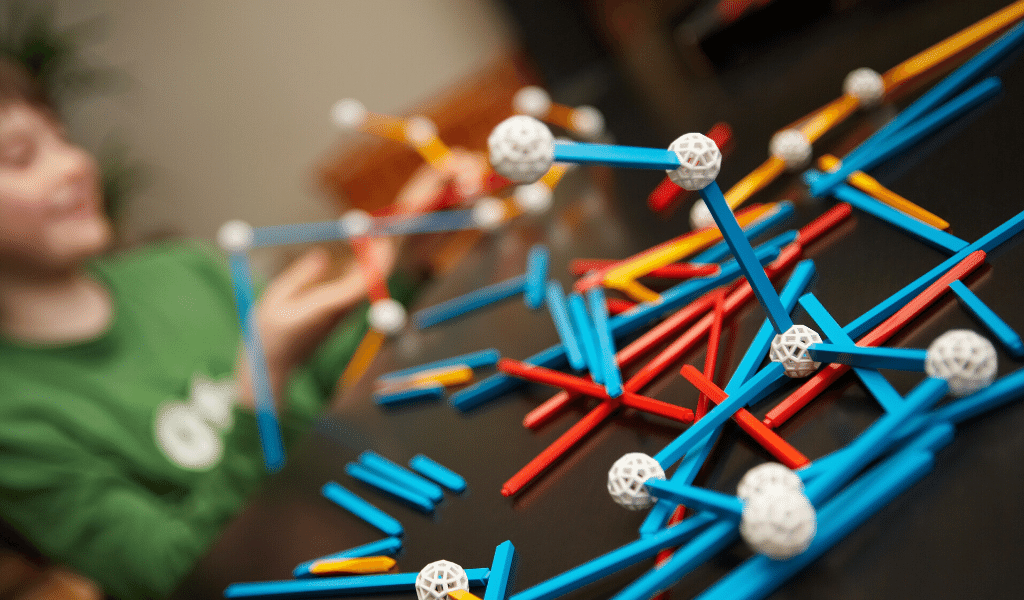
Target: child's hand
(299,308)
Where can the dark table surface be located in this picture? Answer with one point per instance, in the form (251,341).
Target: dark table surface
(956,534)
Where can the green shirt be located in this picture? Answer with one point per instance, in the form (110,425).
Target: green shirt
(123,456)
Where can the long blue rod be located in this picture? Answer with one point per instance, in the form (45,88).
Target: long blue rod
(369,513)
(616,156)
(298,233)
(559,309)
(501,571)
(870,357)
(266,408)
(605,343)
(537,262)
(999,328)
(741,249)
(477,299)
(330,587)
(720,251)
(401,475)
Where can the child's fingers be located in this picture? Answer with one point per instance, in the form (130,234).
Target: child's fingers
(304,271)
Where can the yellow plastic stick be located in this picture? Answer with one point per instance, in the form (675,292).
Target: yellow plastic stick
(452,375)
(953,45)
(870,185)
(384,126)
(421,134)
(636,290)
(353,566)
(555,174)
(462,595)
(365,352)
(754,181)
(672,251)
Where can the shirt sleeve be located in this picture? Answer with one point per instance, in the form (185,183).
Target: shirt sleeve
(132,539)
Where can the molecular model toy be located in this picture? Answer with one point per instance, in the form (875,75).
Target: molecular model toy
(790,509)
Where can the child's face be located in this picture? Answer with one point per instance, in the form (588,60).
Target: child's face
(51,214)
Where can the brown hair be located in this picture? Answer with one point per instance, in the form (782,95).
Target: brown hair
(18,86)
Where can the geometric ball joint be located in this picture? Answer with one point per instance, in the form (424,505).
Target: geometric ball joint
(699,161)
(438,578)
(627,477)
(966,360)
(866,85)
(792,147)
(386,316)
(521,148)
(765,476)
(790,349)
(778,522)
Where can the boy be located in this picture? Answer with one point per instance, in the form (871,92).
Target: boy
(128,437)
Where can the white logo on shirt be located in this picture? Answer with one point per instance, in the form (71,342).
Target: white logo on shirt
(188,433)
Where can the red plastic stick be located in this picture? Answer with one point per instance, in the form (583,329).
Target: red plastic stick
(618,305)
(823,378)
(769,440)
(567,440)
(589,388)
(823,224)
(376,288)
(711,356)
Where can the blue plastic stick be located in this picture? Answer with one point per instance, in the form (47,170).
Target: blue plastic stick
(431,222)
(361,508)
(766,381)
(723,505)
(684,475)
(926,125)
(741,249)
(330,587)
(954,82)
(877,385)
(401,476)
(300,233)
(687,558)
(605,343)
(559,309)
(587,335)
(434,470)
(420,393)
(996,326)
(1002,391)
(389,487)
(266,408)
(473,360)
(869,357)
(388,546)
(477,299)
(616,560)
(890,305)
(622,324)
(536,275)
(783,211)
(870,443)
(616,156)
(760,575)
(501,570)
(802,276)
(942,241)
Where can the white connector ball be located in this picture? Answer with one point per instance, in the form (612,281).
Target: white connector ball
(699,161)
(790,349)
(966,360)
(419,130)
(700,215)
(531,100)
(348,113)
(778,522)
(387,316)
(792,147)
(355,223)
(438,578)
(488,213)
(534,199)
(866,86)
(627,477)
(521,149)
(587,122)
(766,476)
(235,236)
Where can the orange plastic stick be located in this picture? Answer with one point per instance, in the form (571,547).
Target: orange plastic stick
(948,48)
(871,186)
(353,566)
(362,357)
(769,440)
(462,595)
(823,378)
(825,118)
(754,182)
